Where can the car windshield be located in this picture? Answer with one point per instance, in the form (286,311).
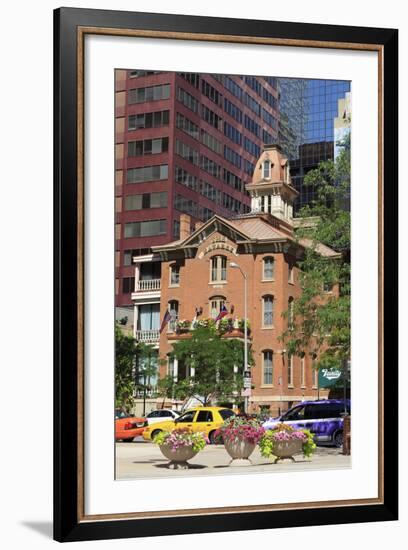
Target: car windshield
(121,414)
(186,417)
(226,413)
(297,413)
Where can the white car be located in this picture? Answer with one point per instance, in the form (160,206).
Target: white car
(160,415)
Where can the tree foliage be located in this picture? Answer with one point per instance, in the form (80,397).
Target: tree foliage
(321,315)
(125,350)
(213,359)
(134,362)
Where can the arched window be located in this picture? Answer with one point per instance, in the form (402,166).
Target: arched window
(268,268)
(174,275)
(216,303)
(291,274)
(266,169)
(302,372)
(218,269)
(267,311)
(267,362)
(290,370)
(173,308)
(315,374)
(291,317)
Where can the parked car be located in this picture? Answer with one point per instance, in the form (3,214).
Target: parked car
(127,426)
(200,419)
(160,415)
(323,418)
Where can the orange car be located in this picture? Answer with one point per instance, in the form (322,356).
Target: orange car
(127,427)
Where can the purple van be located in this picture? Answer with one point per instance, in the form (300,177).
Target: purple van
(323,418)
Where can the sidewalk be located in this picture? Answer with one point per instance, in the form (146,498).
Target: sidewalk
(144,460)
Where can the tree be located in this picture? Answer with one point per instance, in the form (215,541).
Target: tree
(320,320)
(133,362)
(213,359)
(169,388)
(125,351)
(145,369)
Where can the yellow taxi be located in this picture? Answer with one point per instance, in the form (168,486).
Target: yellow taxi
(200,419)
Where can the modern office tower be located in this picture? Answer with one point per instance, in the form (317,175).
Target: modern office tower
(307,112)
(185,143)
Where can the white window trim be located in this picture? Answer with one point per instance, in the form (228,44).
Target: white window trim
(291,365)
(218,269)
(263,384)
(264,279)
(268,177)
(173,285)
(216,299)
(315,377)
(291,314)
(302,372)
(291,275)
(272,326)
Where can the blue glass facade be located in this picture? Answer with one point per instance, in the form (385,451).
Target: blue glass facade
(308,108)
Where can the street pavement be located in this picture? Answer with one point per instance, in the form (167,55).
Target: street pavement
(142,459)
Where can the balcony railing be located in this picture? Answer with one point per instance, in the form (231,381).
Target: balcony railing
(148,336)
(144,285)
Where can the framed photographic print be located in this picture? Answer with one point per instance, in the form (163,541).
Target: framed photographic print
(225,274)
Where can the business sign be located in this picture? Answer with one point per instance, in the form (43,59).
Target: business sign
(329,377)
(247,380)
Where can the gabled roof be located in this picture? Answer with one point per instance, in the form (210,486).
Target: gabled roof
(321,248)
(261,228)
(216,223)
(256,228)
(245,229)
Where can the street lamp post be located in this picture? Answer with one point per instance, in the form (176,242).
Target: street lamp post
(236,266)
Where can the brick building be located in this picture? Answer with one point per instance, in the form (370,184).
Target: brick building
(194,274)
(186,143)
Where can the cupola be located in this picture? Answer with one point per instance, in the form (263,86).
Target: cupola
(271,188)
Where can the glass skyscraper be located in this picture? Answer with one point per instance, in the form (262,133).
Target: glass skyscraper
(307,110)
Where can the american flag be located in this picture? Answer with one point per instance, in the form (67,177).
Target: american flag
(166,319)
(223,312)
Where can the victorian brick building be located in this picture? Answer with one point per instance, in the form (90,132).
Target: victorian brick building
(196,275)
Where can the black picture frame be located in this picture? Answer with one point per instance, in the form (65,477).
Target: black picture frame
(68,525)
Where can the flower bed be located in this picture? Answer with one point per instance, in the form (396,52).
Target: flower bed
(223,326)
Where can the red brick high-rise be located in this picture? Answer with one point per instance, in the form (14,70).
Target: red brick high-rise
(185,143)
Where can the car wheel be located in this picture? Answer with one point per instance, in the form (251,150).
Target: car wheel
(156,432)
(129,440)
(338,439)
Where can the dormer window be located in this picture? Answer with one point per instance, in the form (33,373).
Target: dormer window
(267,169)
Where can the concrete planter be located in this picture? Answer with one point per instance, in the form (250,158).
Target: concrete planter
(239,451)
(286,449)
(179,457)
